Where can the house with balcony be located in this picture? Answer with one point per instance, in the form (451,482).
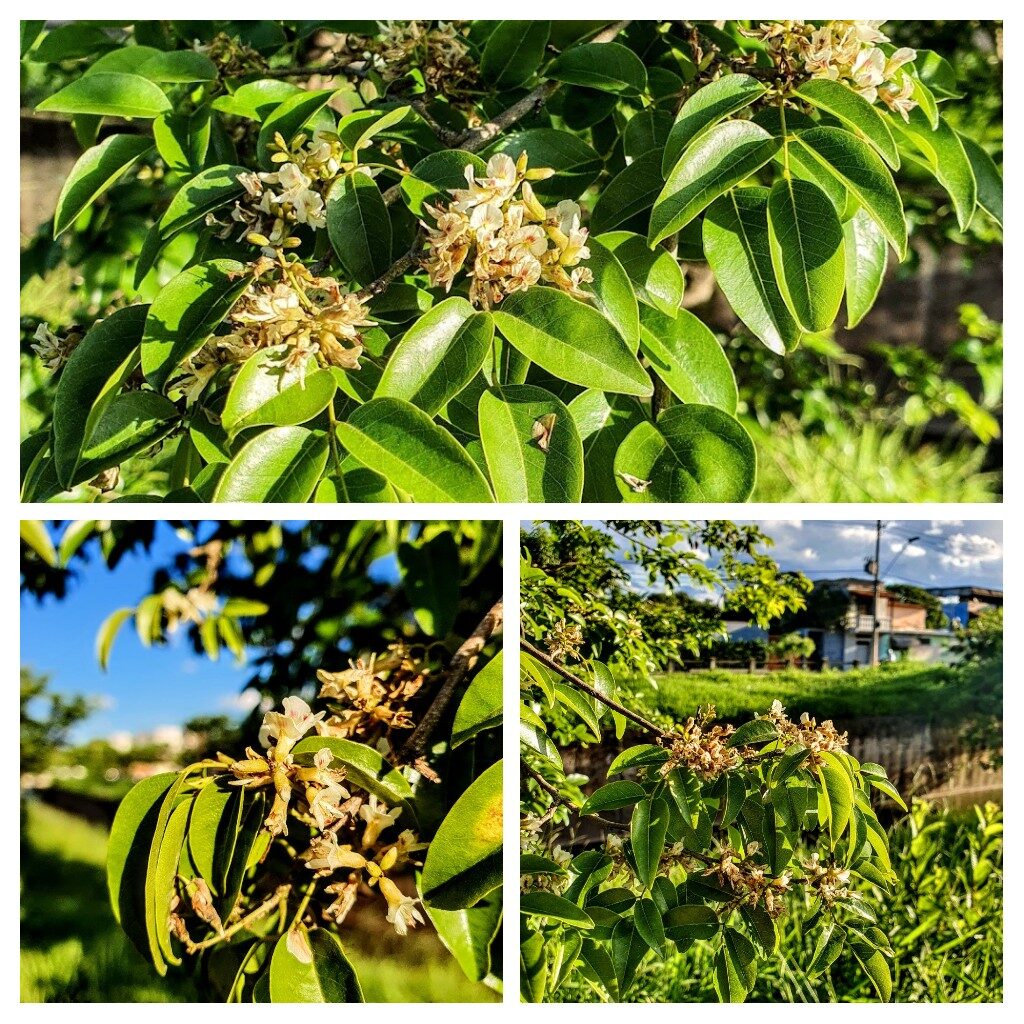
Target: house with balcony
(961,605)
(840,619)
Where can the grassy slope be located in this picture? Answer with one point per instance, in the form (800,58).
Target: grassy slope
(73,950)
(921,691)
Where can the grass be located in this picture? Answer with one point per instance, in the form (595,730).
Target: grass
(938,694)
(72,950)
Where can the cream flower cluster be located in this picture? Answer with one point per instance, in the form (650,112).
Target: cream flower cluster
(510,242)
(849,52)
(314,316)
(806,732)
(53,350)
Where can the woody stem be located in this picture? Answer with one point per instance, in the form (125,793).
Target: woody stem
(261,911)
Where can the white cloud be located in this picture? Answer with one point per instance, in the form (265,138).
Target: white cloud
(857,532)
(810,554)
(910,551)
(244,701)
(970,551)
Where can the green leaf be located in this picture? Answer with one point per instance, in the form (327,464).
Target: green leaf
(598,962)
(131,836)
(986,175)
(577,163)
(635,757)
(762,928)
(628,950)
(436,174)
(533,968)
(160,874)
(734,967)
(185,313)
(107,633)
(131,423)
(280,464)
(859,168)
(866,257)
(96,170)
(534,864)
(213,828)
(359,227)
(71,540)
(438,356)
(183,140)
(806,242)
(657,278)
(874,965)
(179,66)
(533,737)
(837,791)
(647,830)
(70,42)
(631,192)
(691,921)
(612,797)
(613,293)
(610,67)
(355,483)
(684,353)
(580,705)
(35,536)
(463,863)
(107,353)
(288,119)
(530,457)
(207,191)
(943,153)
(431,578)
(855,112)
(255,100)
(885,786)
(718,160)
(694,453)
(513,52)
(828,947)
(357,130)
(554,908)
(30,31)
(603,422)
(571,340)
(468,934)
(647,920)
(109,94)
(736,244)
(412,452)
(328,977)
(645,131)
(270,389)
(363,765)
(704,109)
(752,733)
(481,704)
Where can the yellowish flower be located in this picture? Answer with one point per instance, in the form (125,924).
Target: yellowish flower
(377,818)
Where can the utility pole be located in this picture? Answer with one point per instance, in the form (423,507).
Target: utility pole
(874,567)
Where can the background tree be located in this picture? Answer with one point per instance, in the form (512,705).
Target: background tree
(46,719)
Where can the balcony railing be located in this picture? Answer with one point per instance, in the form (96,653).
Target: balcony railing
(865,623)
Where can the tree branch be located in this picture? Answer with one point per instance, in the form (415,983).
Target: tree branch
(462,661)
(564,801)
(549,662)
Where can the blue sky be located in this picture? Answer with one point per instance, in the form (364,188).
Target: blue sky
(946,552)
(144,688)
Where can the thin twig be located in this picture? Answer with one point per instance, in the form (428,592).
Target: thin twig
(462,661)
(396,270)
(550,663)
(261,911)
(565,801)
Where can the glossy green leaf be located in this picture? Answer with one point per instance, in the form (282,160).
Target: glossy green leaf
(513,52)
(533,737)
(645,131)
(530,457)
(684,353)
(874,965)
(481,704)
(207,191)
(627,951)
(255,100)
(288,119)
(860,170)
(612,797)
(694,453)
(131,423)
(577,163)
(613,293)
(109,94)
(827,949)
(359,129)
(533,968)
(96,368)
(179,66)
(412,452)
(572,340)
(610,67)
(736,244)
(438,356)
(96,170)
(364,765)
(837,792)
(183,139)
(704,109)
(468,934)
(431,578)
(806,242)
(355,483)
(279,464)
(647,920)
(185,313)
(691,921)
(555,908)
(580,704)
(647,831)
(656,276)
(271,389)
(603,422)
(463,863)
(71,540)
(107,633)
(160,875)
(359,227)
(436,174)
(855,112)
(753,733)
(631,192)
(734,967)
(866,259)
(718,160)
(986,175)
(327,976)
(635,757)
(211,828)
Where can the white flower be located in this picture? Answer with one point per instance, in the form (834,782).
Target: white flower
(377,818)
(288,728)
(326,855)
(402,912)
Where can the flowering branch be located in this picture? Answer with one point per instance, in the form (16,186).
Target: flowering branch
(261,911)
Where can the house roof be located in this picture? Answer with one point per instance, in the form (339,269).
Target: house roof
(865,588)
